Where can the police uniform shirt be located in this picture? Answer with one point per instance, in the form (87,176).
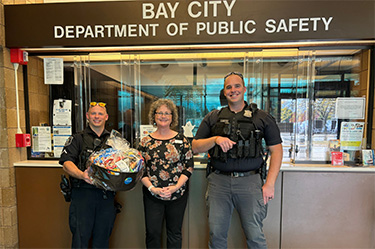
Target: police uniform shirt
(262,120)
(74,145)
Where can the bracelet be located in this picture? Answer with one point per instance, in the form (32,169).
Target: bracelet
(216,139)
(149,188)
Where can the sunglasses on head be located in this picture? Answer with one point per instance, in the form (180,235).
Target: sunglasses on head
(101,104)
(233,73)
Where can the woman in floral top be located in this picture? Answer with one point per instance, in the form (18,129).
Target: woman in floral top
(169,164)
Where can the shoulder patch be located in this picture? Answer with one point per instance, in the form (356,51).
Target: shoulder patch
(68,141)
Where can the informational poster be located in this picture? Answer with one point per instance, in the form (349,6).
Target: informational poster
(350,108)
(53,71)
(41,136)
(319,148)
(60,135)
(319,153)
(351,134)
(146,129)
(62,112)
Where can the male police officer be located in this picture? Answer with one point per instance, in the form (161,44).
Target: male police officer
(92,211)
(232,136)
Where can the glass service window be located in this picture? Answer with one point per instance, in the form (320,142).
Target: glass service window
(299,88)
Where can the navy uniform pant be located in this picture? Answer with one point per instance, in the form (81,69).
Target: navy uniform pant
(92,214)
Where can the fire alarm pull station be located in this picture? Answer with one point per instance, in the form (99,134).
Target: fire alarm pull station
(23,140)
(19,56)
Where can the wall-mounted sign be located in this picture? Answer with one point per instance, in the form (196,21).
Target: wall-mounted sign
(41,136)
(124,23)
(350,108)
(53,71)
(60,135)
(62,112)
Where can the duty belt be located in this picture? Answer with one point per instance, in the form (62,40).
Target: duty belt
(237,174)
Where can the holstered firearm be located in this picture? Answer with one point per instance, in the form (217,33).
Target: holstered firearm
(209,168)
(66,188)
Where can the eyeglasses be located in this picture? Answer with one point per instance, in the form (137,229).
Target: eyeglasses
(101,104)
(233,73)
(163,113)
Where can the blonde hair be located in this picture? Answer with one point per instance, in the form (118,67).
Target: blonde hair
(170,105)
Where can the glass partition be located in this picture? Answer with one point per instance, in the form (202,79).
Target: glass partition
(297,87)
(273,78)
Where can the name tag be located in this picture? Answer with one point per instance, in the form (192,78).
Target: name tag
(178,141)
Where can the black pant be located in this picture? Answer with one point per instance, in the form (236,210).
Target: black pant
(155,212)
(92,213)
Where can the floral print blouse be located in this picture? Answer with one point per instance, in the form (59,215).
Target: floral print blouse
(166,160)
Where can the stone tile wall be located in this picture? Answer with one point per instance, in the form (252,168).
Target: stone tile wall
(8,128)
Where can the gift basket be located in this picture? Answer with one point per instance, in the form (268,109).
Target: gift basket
(117,167)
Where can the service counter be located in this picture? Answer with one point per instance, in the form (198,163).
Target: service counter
(315,206)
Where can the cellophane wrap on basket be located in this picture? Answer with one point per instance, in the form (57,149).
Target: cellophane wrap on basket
(118,167)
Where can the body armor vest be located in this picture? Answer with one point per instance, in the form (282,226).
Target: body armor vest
(240,128)
(90,145)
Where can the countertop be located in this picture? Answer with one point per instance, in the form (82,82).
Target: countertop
(287,167)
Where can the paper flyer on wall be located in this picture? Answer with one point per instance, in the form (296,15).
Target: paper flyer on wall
(62,110)
(351,134)
(41,136)
(350,108)
(60,135)
(53,71)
